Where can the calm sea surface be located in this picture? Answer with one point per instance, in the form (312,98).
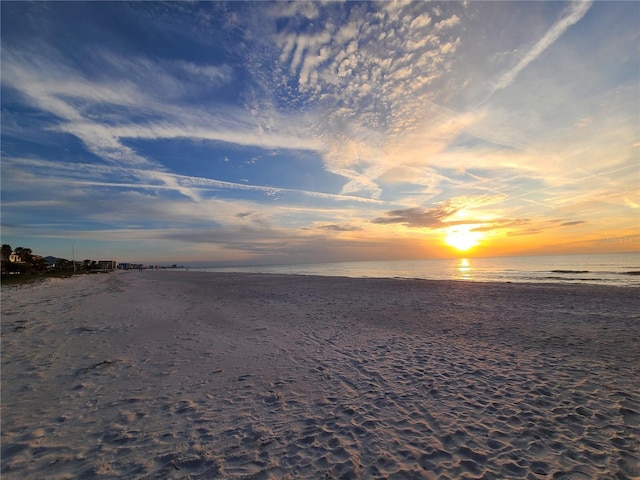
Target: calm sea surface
(621,269)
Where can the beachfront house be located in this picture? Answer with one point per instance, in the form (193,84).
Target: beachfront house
(15,258)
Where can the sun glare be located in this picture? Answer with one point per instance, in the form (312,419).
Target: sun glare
(462,238)
(464,270)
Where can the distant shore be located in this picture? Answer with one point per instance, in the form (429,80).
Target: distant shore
(159,374)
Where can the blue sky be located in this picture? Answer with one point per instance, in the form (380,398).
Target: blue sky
(267,132)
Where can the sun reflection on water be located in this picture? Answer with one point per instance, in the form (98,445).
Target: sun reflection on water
(464,270)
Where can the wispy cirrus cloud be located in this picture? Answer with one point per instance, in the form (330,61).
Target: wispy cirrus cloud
(64,173)
(102,113)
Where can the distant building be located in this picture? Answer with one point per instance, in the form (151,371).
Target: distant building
(15,258)
(129,266)
(106,265)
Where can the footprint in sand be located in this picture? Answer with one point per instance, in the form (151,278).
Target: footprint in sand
(630,417)
(630,465)
(572,475)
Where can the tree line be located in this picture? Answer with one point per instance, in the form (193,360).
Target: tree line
(23,261)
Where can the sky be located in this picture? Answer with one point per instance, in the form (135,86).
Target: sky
(277,133)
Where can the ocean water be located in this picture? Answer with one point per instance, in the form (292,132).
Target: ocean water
(619,269)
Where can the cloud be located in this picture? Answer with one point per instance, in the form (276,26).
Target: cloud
(214,74)
(499,224)
(448,22)
(573,14)
(447,216)
(418,217)
(151,93)
(540,225)
(630,203)
(475,211)
(339,228)
(193,187)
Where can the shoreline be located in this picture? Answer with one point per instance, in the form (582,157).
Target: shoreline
(44,279)
(401,278)
(159,374)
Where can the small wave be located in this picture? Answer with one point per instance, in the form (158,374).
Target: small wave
(633,272)
(569,271)
(576,279)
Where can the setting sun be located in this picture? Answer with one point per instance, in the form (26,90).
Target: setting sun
(462,238)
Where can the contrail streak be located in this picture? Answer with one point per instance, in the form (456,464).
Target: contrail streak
(575,12)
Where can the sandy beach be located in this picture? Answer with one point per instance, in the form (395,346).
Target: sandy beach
(160,374)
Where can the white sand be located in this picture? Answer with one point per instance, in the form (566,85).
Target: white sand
(194,375)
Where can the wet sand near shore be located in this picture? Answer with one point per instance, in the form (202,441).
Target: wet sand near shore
(160,374)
